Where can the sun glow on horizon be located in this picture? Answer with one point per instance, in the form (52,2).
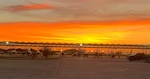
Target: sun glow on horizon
(76,32)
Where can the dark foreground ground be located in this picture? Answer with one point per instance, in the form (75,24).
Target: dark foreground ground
(74,68)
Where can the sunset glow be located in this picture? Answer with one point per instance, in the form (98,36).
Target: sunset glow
(66,21)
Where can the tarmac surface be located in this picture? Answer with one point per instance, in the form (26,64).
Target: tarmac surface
(74,68)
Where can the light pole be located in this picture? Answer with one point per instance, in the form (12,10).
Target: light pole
(79,50)
(61,51)
(80,46)
(7,44)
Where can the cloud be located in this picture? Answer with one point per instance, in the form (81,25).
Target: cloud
(28,7)
(77,10)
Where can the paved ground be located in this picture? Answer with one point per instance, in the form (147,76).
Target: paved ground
(74,68)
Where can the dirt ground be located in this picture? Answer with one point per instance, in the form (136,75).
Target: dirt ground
(74,68)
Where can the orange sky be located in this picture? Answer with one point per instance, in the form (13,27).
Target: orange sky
(75,21)
(122,32)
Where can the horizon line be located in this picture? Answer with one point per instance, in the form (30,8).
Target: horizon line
(68,43)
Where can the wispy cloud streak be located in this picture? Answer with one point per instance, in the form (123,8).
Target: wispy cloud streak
(28,7)
(79,10)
